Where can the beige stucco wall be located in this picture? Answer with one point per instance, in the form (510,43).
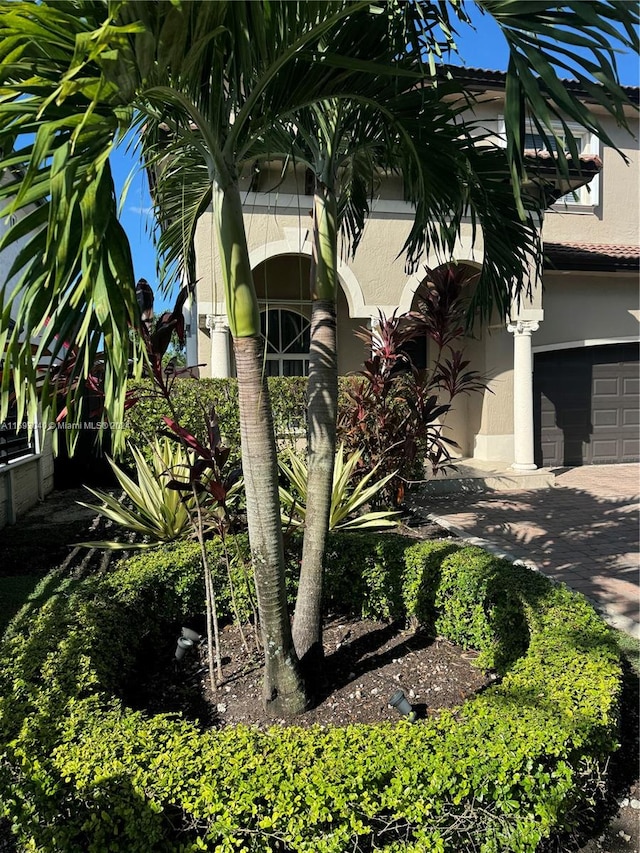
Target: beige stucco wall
(582,308)
(489,427)
(279,222)
(615,218)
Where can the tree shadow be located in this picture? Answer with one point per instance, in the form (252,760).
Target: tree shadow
(353,659)
(108,808)
(585,540)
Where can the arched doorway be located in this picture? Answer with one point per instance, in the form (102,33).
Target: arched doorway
(444,307)
(282,287)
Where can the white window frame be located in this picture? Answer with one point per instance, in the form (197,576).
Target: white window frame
(282,356)
(587,198)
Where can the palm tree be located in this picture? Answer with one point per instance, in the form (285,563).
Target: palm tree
(76,76)
(347,143)
(446,174)
(218,80)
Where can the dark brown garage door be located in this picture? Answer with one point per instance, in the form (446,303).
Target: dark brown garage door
(587,405)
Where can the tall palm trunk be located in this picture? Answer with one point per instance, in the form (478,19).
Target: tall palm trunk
(322,402)
(283,688)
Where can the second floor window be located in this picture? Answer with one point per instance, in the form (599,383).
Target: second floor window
(585,197)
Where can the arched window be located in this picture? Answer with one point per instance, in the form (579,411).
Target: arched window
(288,337)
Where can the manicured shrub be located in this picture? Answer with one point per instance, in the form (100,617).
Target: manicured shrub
(82,772)
(192,397)
(363,574)
(480,602)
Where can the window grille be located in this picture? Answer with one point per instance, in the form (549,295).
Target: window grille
(287,335)
(14,440)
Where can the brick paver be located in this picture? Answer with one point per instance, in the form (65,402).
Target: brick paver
(583,532)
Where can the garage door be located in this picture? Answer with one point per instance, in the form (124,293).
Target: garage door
(587,405)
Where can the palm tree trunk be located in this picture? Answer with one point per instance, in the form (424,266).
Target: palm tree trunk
(283,688)
(322,402)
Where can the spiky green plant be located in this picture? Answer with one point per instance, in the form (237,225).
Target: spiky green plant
(346,498)
(156,511)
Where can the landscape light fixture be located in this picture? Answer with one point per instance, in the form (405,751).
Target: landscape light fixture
(400,702)
(184,644)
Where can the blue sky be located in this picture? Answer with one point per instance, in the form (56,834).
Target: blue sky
(482,48)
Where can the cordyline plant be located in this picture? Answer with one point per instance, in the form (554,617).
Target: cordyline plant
(206,483)
(395,415)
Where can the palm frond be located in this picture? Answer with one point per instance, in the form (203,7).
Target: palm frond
(548,44)
(75,274)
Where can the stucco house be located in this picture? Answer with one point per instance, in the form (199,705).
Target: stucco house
(563,381)
(26,460)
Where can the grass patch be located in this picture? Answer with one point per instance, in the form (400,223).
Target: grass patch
(14,592)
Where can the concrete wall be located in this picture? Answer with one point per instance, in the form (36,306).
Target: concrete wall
(25,482)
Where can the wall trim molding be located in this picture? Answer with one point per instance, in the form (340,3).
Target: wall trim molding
(589,342)
(348,281)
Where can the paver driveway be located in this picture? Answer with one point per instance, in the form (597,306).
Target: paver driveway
(582,531)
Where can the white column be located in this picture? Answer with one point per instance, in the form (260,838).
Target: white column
(374,325)
(220,362)
(523,435)
(190,312)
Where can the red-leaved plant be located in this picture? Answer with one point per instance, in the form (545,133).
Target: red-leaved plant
(395,410)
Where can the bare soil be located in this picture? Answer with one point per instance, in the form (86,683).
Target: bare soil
(366,662)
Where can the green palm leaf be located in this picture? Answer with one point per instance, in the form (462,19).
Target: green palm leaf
(548,42)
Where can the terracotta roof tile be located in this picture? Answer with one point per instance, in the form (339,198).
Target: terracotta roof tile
(594,256)
(485,78)
(588,162)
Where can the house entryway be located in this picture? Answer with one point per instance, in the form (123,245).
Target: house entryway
(587,405)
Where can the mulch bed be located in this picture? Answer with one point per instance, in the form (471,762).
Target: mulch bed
(366,662)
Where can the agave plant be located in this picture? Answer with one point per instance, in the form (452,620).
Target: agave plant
(158,512)
(345,499)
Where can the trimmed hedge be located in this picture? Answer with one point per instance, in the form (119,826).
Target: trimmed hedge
(80,771)
(193,397)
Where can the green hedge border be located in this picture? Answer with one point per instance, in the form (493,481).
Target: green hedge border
(80,771)
(192,398)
